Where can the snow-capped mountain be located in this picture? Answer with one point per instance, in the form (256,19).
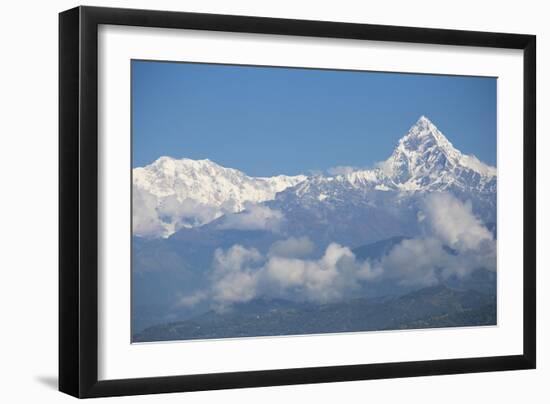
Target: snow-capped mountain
(424,160)
(170,194)
(369,205)
(199,221)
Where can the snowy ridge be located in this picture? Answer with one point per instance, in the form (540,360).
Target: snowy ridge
(187,193)
(207,182)
(171,194)
(423,160)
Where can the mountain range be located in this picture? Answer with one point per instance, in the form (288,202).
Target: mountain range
(172,194)
(188,193)
(186,211)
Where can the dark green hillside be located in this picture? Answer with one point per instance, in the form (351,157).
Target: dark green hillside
(432,307)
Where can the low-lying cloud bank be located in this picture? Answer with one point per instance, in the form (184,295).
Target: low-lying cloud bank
(254,217)
(240,274)
(154,218)
(454,243)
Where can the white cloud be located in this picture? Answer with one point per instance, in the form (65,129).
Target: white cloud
(234,279)
(193,299)
(145,220)
(414,262)
(385,166)
(292,247)
(254,217)
(454,223)
(185,213)
(315,173)
(341,170)
(455,244)
(240,274)
(325,279)
(238,286)
(425,260)
(160,217)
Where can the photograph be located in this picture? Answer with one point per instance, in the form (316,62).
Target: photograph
(282,201)
(268,202)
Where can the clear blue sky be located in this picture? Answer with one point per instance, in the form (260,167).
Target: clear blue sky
(267,121)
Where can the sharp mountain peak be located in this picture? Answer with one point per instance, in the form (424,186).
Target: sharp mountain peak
(187,193)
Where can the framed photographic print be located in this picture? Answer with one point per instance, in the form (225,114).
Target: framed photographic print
(250,201)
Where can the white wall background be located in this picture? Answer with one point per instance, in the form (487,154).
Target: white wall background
(28,202)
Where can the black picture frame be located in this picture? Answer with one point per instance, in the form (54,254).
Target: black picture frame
(78,201)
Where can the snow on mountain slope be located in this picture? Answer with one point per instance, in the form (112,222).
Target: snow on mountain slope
(170,194)
(364,206)
(424,160)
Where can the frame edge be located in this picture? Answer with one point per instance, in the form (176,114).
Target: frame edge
(78,289)
(69,81)
(530,201)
